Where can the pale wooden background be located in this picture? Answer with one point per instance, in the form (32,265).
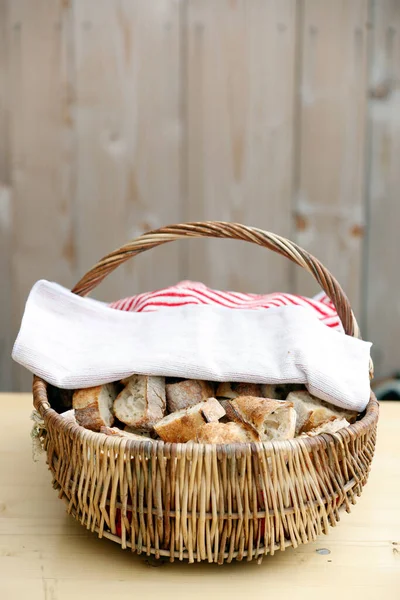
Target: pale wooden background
(117,116)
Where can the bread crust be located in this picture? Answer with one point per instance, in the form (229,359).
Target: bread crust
(183,425)
(154,402)
(224,433)
(256,412)
(329,426)
(312,412)
(187,393)
(88,410)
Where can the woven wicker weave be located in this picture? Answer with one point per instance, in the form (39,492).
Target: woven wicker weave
(206,502)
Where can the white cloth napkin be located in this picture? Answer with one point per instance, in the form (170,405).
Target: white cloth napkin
(75,342)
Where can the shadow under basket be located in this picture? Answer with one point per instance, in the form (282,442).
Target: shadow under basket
(206,502)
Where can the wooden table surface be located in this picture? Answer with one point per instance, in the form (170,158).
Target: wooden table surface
(46,555)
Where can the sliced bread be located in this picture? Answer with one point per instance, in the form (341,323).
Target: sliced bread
(311,411)
(183,425)
(142,402)
(225,433)
(185,394)
(93,406)
(271,419)
(331,426)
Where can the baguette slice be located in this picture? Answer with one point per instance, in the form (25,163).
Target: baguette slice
(311,411)
(115,431)
(272,419)
(185,394)
(183,425)
(142,402)
(93,406)
(225,433)
(331,426)
(233,390)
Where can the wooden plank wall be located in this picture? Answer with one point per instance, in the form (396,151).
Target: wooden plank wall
(332,117)
(240,74)
(41,151)
(382,306)
(6,332)
(6,380)
(120,116)
(128,128)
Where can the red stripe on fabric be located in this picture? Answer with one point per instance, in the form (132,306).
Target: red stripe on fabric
(315,306)
(140,298)
(300,299)
(130,304)
(220,296)
(286,300)
(165,304)
(272,303)
(164,294)
(241,296)
(290,300)
(189,294)
(208,295)
(119,304)
(335,322)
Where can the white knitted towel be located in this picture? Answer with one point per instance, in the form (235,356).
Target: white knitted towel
(75,342)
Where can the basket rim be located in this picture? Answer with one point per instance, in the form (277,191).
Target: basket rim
(49,415)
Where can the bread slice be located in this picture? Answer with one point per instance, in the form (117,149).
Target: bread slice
(225,433)
(331,426)
(311,411)
(211,410)
(142,402)
(183,425)
(123,433)
(272,419)
(93,406)
(233,390)
(187,393)
(280,391)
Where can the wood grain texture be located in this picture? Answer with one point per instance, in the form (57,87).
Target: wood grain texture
(382,314)
(42,150)
(331,154)
(239,109)
(5,208)
(128,122)
(46,555)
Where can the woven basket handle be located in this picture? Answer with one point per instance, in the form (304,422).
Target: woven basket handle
(220,229)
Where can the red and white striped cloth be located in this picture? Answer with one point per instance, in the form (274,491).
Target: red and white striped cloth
(194,292)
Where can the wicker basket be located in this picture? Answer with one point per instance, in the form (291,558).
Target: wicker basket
(206,502)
